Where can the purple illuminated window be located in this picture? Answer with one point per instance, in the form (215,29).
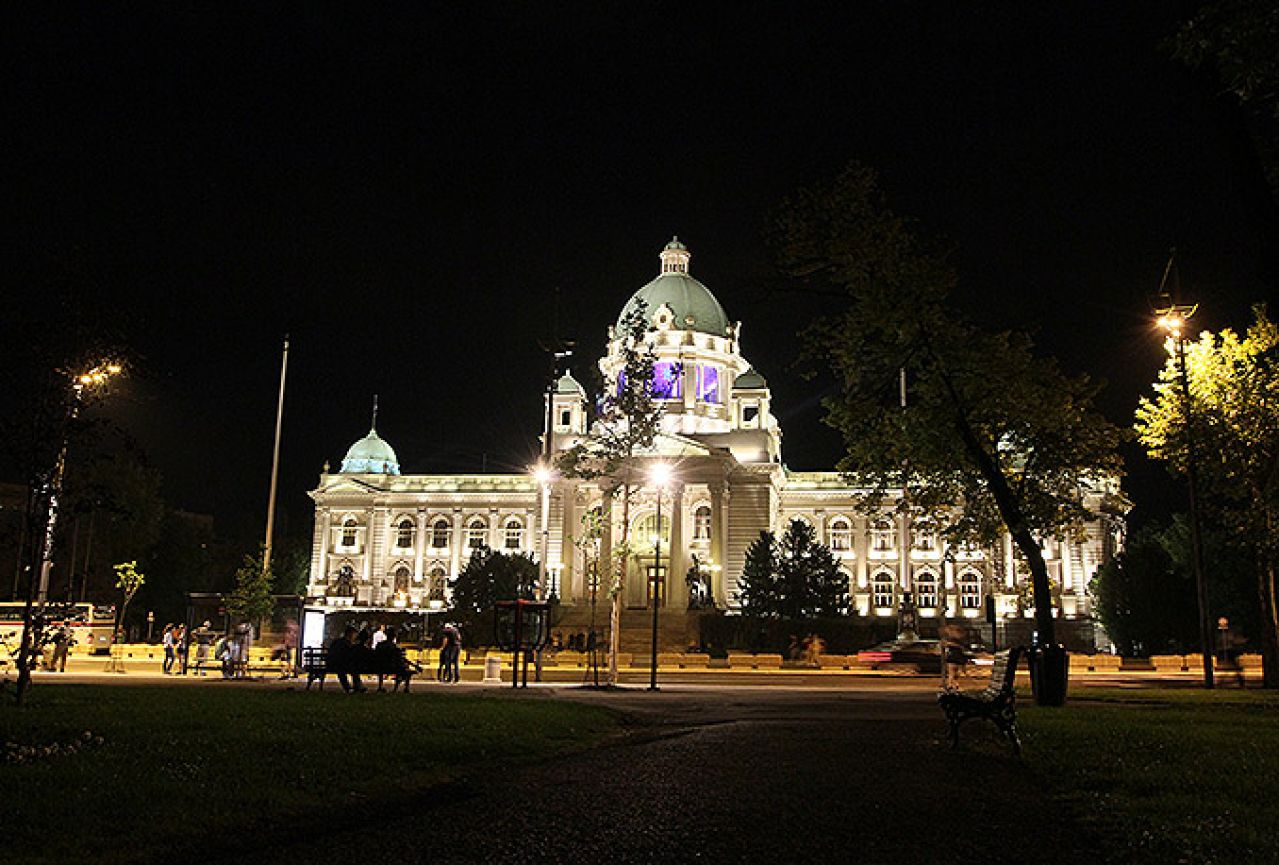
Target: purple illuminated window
(708,384)
(666,380)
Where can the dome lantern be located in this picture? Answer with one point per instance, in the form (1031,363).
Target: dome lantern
(675,257)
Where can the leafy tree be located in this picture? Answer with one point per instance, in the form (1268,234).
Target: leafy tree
(793,578)
(1145,603)
(987,422)
(128,580)
(626,423)
(1238,40)
(251,599)
(489,577)
(1234,421)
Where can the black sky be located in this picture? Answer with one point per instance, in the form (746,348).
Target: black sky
(406,189)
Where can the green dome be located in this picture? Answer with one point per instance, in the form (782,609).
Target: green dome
(568,384)
(371,455)
(750,380)
(694,306)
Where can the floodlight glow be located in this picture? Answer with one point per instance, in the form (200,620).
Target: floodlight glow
(660,474)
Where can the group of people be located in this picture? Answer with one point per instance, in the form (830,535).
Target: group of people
(578,642)
(377,652)
(230,650)
(369,652)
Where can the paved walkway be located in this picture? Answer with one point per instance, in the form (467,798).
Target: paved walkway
(772,775)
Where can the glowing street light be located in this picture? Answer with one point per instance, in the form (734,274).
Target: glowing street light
(660,476)
(1173,319)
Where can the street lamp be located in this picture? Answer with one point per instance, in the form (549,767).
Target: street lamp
(1173,319)
(50,491)
(660,475)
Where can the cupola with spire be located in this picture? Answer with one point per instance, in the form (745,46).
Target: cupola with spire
(371,455)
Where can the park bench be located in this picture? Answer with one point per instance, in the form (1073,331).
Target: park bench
(315,664)
(997,703)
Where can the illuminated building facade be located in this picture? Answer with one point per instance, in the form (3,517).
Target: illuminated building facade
(384,538)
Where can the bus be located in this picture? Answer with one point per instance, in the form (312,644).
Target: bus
(90,624)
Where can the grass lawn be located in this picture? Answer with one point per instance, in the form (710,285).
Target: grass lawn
(1165,775)
(202,771)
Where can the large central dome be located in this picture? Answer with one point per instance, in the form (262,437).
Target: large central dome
(692,303)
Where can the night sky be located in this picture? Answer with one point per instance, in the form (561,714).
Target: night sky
(407,190)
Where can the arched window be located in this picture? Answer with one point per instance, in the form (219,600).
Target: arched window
(841,534)
(404,534)
(348,532)
(402,579)
(883,535)
(882,589)
(436,591)
(514,534)
(926,589)
(970,590)
(925,539)
(440,534)
(646,528)
(702,524)
(476,534)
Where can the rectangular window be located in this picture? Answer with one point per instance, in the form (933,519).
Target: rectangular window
(666,380)
(750,413)
(708,384)
(566,417)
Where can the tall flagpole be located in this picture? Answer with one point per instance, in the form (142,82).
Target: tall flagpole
(275,462)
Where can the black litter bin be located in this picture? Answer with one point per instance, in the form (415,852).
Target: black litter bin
(1049,674)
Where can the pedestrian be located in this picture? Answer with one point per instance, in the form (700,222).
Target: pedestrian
(180,650)
(450,649)
(203,638)
(166,639)
(954,655)
(61,643)
(455,657)
(379,634)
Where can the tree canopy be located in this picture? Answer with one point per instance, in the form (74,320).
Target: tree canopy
(793,577)
(488,577)
(1232,418)
(929,401)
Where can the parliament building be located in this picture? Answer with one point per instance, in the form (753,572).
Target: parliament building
(389,539)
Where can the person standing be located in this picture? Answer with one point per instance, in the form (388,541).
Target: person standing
(61,643)
(169,655)
(203,639)
(379,634)
(180,650)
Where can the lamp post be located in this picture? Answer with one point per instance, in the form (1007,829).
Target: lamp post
(1173,319)
(660,475)
(46,499)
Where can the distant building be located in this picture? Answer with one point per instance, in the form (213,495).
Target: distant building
(385,538)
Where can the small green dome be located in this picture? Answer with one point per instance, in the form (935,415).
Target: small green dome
(371,455)
(568,384)
(750,380)
(692,303)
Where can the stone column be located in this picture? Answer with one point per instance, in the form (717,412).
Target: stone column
(320,558)
(369,517)
(1010,563)
(419,543)
(903,552)
(1067,574)
(676,589)
(606,567)
(719,543)
(494,531)
(570,590)
(457,537)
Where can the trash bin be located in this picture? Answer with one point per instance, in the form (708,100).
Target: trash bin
(493,669)
(1049,674)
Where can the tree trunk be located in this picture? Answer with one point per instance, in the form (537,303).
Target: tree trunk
(619,583)
(1269,610)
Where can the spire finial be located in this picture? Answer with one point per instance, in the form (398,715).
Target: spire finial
(373,425)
